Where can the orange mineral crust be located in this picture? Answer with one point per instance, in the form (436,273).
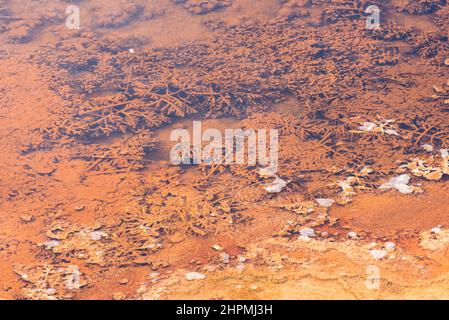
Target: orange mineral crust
(356,111)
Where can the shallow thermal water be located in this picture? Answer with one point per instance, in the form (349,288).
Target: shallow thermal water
(93,207)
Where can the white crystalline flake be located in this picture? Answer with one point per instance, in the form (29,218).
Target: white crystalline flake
(225,257)
(403,188)
(195,276)
(368,126)
(399,183)
(276,186)
(325,202)
(391,132)
(436,239)
(436,230)
(389,246)
(427,147)
(372,245)
(50,291)
(366,171)
(97,235)
(444,153)
(378,254)
(352,235)
(240,267)
(307,232)
(241,259)
(50,244)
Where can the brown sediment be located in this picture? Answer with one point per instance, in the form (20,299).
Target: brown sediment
(86,117)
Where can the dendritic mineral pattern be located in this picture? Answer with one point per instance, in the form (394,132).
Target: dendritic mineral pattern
(233,149)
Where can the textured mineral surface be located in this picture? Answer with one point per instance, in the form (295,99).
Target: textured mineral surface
(93,207)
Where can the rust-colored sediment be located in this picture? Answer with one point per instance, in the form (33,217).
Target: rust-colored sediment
(91,208)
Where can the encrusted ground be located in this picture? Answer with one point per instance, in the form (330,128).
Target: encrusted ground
(92,208)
